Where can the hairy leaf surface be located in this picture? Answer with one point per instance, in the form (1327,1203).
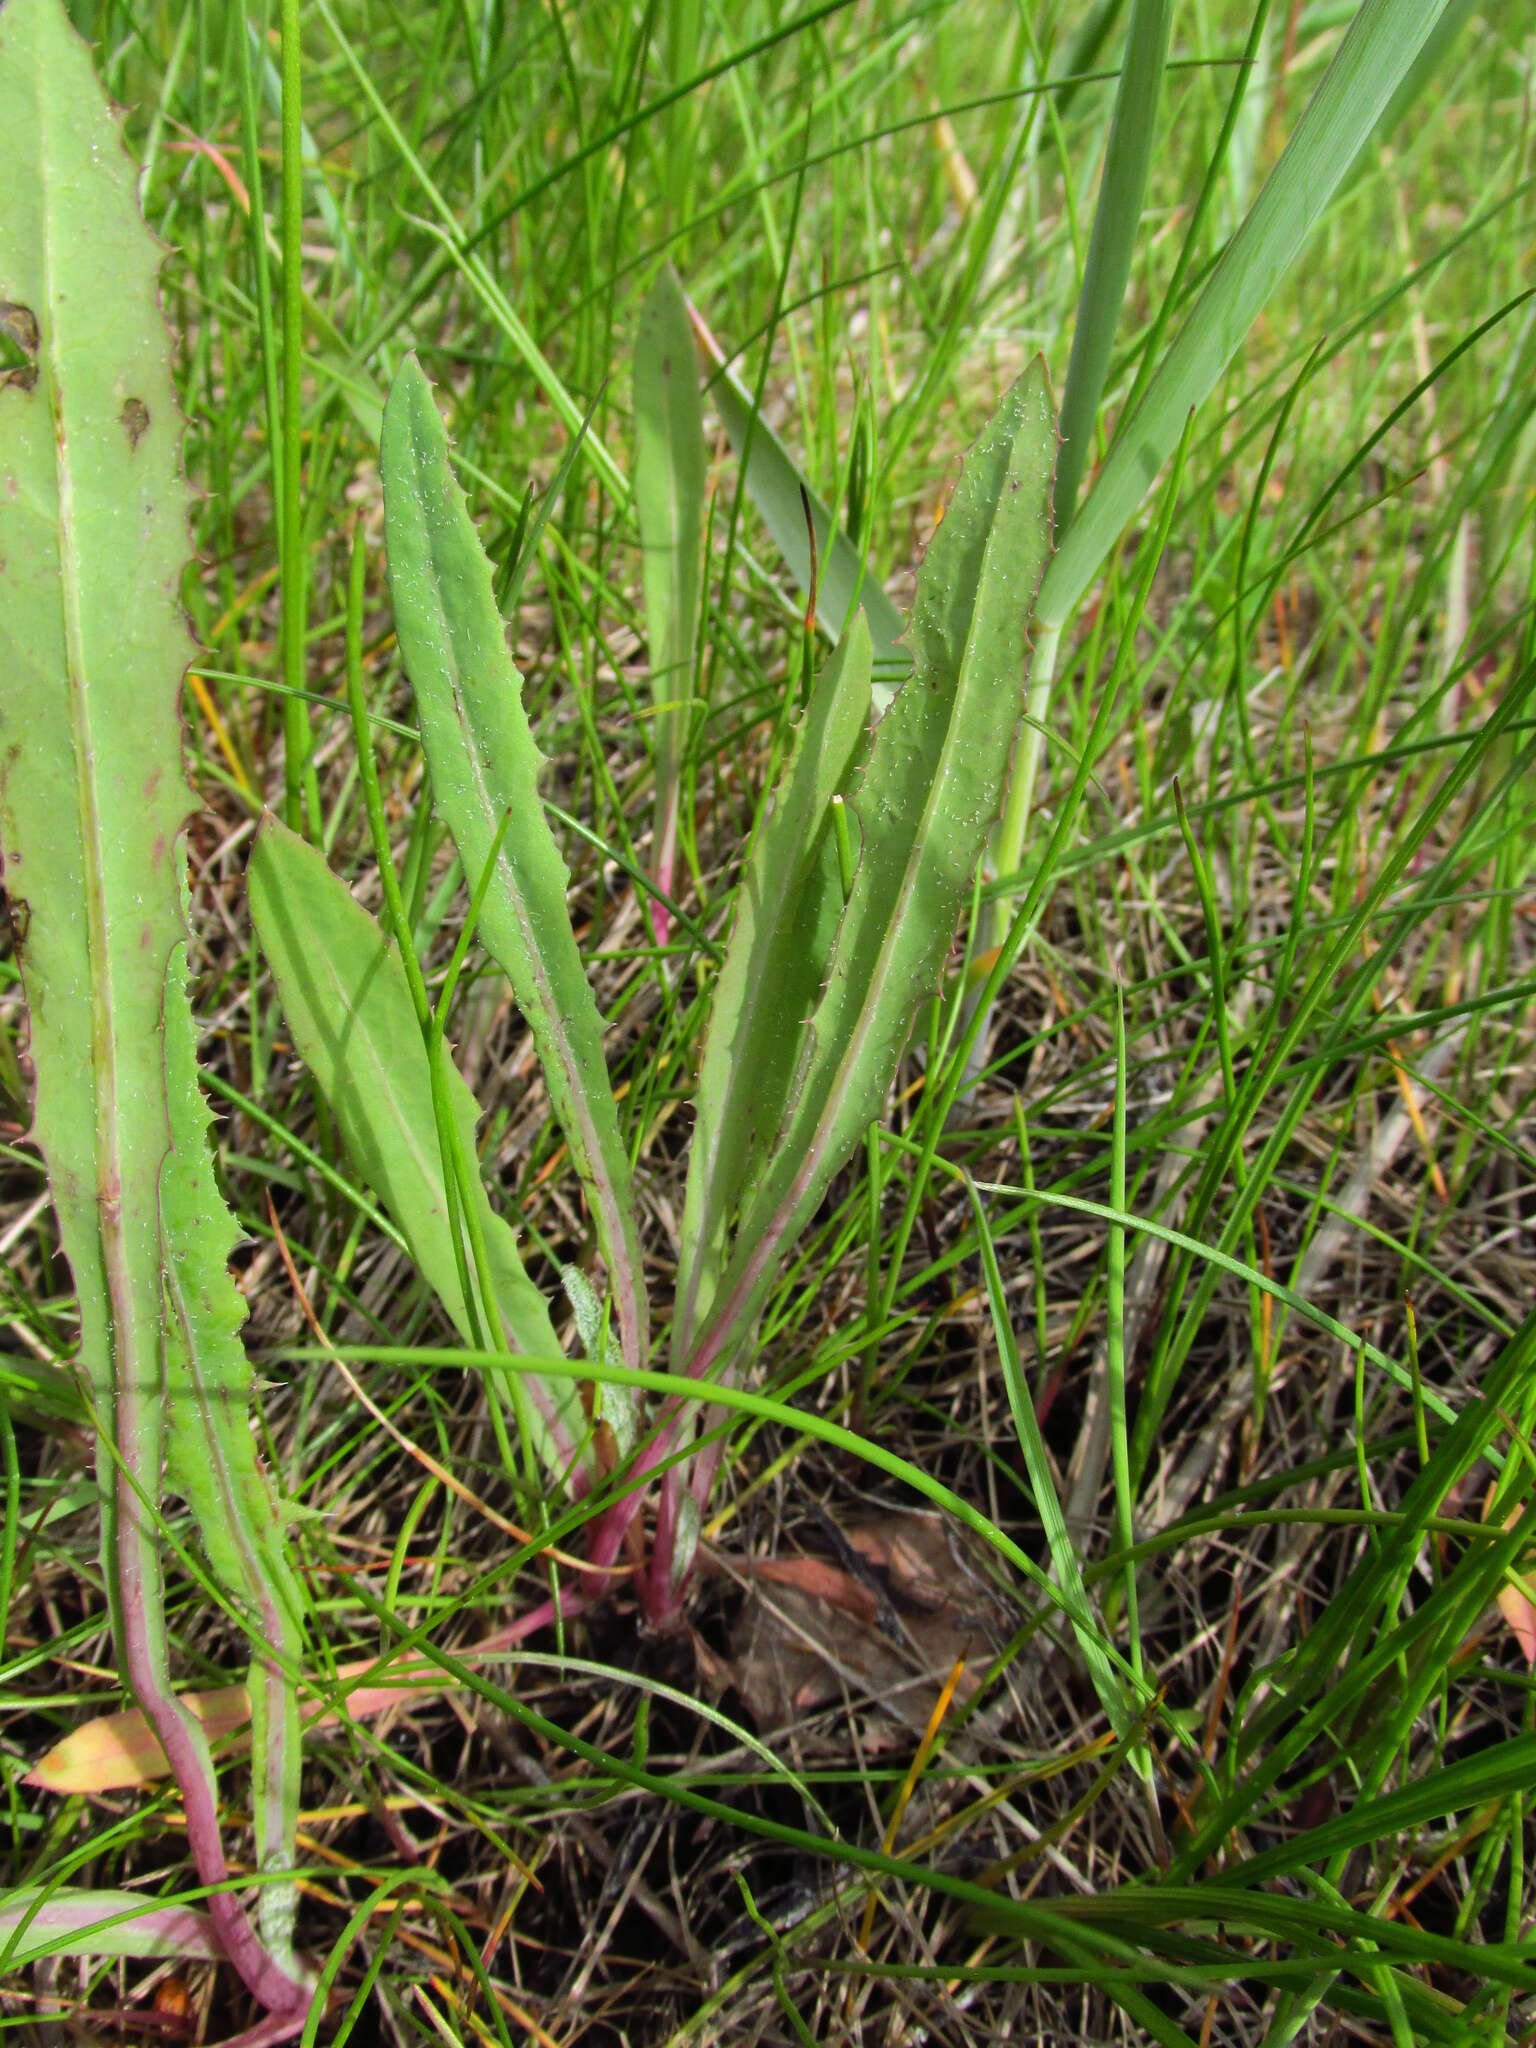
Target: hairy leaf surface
(484,764)
(924,803)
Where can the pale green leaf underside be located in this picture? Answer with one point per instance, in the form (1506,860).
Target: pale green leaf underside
(92,647)
(484,764)
(348,1005)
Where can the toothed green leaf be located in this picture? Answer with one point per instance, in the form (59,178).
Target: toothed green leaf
(484,764)
(923,805)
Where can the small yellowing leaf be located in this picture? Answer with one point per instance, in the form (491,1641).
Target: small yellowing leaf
(118,1751)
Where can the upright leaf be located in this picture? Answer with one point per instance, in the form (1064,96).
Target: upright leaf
(789,903)
(484,764)
(923,806)
(345,997)
(1376,55)
(669,506)
(92,802)
(1116,225)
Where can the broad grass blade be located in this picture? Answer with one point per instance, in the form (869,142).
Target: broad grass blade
(345,996)
(775,485)
(788,907)
(484,764)
(1375,56)
(1116,228)
(669,489)
(92,805)
(923,806)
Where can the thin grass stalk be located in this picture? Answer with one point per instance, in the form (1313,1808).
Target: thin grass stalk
(296,730)
(1116,231)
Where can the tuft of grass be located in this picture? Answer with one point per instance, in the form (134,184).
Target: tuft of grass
(1240,1163)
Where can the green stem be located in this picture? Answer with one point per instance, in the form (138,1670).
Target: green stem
(296,732)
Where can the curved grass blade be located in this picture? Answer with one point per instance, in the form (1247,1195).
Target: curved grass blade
(924,805)
(669,508)
(347,1003)
(1037,1463)
(789,903)
(484,764)
(92,803)
(781,494)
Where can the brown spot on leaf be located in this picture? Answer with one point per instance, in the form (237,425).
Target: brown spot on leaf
(135,420)
(21,922)
(18,346)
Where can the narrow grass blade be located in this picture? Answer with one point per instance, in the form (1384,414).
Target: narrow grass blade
(92,805)
(484,764)
(344,995)
(1116,230)
(1378,49)
(669,487)
(1042,1486)
(775,485)
(924,804)
(788,907)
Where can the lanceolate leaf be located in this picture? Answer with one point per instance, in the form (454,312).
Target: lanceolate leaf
(484,764)
(788,906)
(669,506)
(346,1000)
(92,800)
(211,1459)
(923,805)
